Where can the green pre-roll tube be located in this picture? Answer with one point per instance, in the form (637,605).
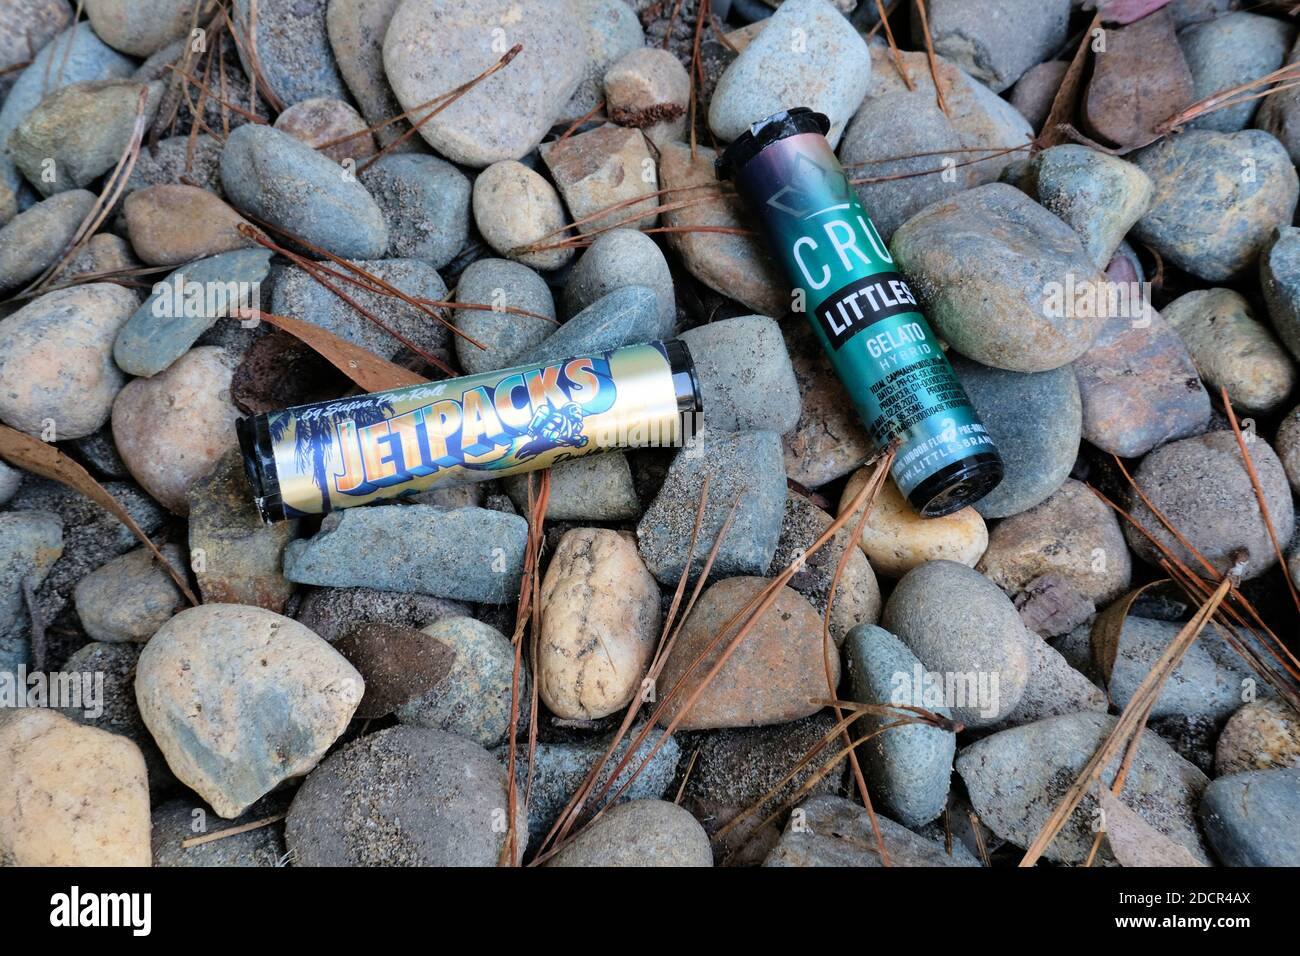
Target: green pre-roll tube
(863,312)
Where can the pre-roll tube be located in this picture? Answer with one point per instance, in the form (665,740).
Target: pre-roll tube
(863,312)
(355,450)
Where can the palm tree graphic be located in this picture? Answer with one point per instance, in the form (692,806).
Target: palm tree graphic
(314,436)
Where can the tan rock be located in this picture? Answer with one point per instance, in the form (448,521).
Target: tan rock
(172,224)
(70,795)
(650,90)
(600,623)
(515,207)
(240,699)
(1073,537)
(1262,735)
(735,265)
(601,168)
(776,674)
(1233,349)
(829,441)
(104,252)
(237,558)
(172,429)
(322,120)
(56,361)
(130,597)
(896,539)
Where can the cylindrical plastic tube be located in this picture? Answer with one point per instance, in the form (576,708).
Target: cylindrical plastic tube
(352,451)
(863,312)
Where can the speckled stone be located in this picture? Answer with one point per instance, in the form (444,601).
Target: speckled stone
(907,768)
(1016,778)
(405,796)
(746,378)
(1249,818)
(425,201)
(742,466)
(639,833)
(215,677)
(502,284)
(1200,187)
(1035,421)
(470,554)
(271,176)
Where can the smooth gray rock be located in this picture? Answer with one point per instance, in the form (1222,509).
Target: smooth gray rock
(1010,312)
(1230,51)
(590,488)
(434,46)
(639,833)
(159,333)
(560,767)
(625,316)
(619,258)
(907,768)
(1017,777)
(1208,682)
(830,71)
(30,543)
(1200,186)
(1097,195)
(1203,489)
(1279,273)
(425,201)
(998,40)
(832,831)
(33,240)
(10,481)
(1249,818)
(503,335)
(959,624)
(405,796)
(1035,420)
(469,554)
(746,378)
(298,295)
(130,597)
(293,49)
(271,176)
(745,467)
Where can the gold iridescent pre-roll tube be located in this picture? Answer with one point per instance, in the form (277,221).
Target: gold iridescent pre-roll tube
(351,451)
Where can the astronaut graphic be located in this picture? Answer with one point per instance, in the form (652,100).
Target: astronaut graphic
(553,428)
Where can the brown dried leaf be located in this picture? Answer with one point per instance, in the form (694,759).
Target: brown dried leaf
(365,368)
(1134,841)
(34,455)
(1066,104)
